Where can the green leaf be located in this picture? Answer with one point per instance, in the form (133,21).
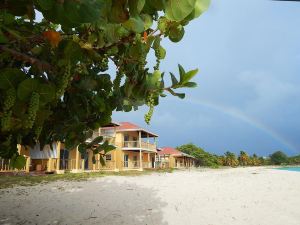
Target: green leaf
(46,4)
(189,75)
(8,18)
(82,11)
(3,38)
(163,24)
(107,147)
(118,12)
(72,50)
(148,21)
(26,88)
(135,24)
(58,15)
(155,5)
(153,80)
(18,162)
(179,95)
(136,6)
(10,77)
(162,52)
(189,85)
(42,115)
(177,10)
(47,92)
(176,33)
(102,161)
(96,141)
(181,72)
(174,80)
(200,7)
(82,148)
(73,13)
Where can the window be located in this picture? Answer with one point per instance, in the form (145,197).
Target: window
(108,157)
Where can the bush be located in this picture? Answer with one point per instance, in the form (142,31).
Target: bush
(278,158)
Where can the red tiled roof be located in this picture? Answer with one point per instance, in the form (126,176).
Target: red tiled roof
(169,151)
(127,126)
(172,151)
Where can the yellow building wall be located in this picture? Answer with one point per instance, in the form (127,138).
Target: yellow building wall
(172,161)
(24,151)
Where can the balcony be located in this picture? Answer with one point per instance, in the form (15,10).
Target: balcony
(108,134)
(135,145)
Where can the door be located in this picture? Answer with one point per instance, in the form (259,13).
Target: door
(153,162)
(126,161)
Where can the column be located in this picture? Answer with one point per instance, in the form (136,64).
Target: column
(27,164)
(148,141)
(19,148)
(115,159)
(94,164)
(140,143)
(58,144)
(77,158)
(49,165)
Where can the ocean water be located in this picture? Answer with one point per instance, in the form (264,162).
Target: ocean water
(297,169)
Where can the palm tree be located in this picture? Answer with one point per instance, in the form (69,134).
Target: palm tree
(243,159)
(230,159)
(255,161)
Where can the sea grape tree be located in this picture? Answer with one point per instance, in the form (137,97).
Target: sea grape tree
(55,80)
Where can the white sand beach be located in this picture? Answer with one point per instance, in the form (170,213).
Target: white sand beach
(241,196)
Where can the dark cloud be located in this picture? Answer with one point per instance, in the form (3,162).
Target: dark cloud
(248,53)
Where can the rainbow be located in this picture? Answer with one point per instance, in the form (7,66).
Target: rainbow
(235,113)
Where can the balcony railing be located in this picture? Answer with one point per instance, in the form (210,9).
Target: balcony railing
(70,164)
(131,164)
(180,165)
(109,165)
(5,165)
(161,164)
(107,134)
(147,165)
(136,144)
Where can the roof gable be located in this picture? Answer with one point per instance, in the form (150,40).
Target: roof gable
(172,151)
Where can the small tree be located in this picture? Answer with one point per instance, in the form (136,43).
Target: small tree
(203,158)
(278,158)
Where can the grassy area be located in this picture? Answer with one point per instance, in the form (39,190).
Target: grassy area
(7,181)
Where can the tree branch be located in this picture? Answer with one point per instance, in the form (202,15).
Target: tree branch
(26,58)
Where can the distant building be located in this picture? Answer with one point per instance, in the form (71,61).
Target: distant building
(173,158)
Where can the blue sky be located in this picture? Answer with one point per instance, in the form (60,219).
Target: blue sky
(248,95)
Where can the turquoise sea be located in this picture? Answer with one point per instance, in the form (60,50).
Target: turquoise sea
(297,169)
